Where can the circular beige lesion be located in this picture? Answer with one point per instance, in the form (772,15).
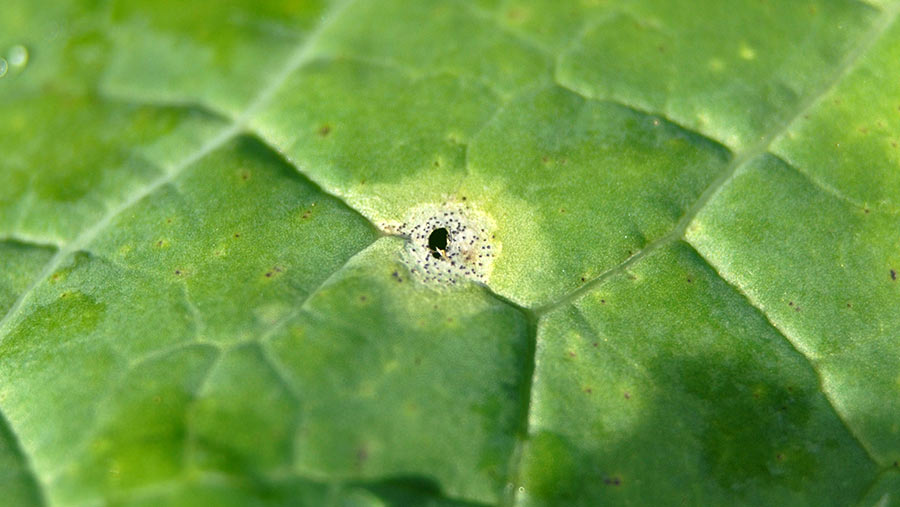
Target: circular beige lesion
(470,248)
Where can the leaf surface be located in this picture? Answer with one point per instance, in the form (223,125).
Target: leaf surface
(670,274)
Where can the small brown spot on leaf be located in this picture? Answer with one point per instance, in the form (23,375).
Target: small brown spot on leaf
(627,395)
(362,298)
(237,235)
(324,130)
(588,390)
(612,481)
(894,275)
(514,15)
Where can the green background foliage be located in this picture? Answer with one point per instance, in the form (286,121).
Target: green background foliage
(694,300)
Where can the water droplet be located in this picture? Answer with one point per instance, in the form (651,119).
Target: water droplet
(18,56)
(3,66)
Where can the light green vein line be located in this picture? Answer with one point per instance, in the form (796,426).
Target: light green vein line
(762,146)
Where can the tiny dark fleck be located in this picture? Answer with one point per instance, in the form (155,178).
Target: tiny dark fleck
(848,305)
(237,235)
(588,390)
(464,198)
(362,298)
(894,275)
(865,210)
(790,303)
(177,272)
(159,243)
(689,280)
(269,274)
(612,481)
(602,301)
(324,130)
(779,457)
(168,220)
(627,395)
(595,344)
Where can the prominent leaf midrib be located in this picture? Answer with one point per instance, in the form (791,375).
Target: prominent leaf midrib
(300,56)
(738,160)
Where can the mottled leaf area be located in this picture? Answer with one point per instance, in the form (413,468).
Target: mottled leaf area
(667,272)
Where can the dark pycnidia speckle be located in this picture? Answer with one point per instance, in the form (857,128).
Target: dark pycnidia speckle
(443,243)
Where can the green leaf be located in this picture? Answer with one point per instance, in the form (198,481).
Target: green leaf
(670,272)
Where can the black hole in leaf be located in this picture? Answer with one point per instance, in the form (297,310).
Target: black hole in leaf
(437,242)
